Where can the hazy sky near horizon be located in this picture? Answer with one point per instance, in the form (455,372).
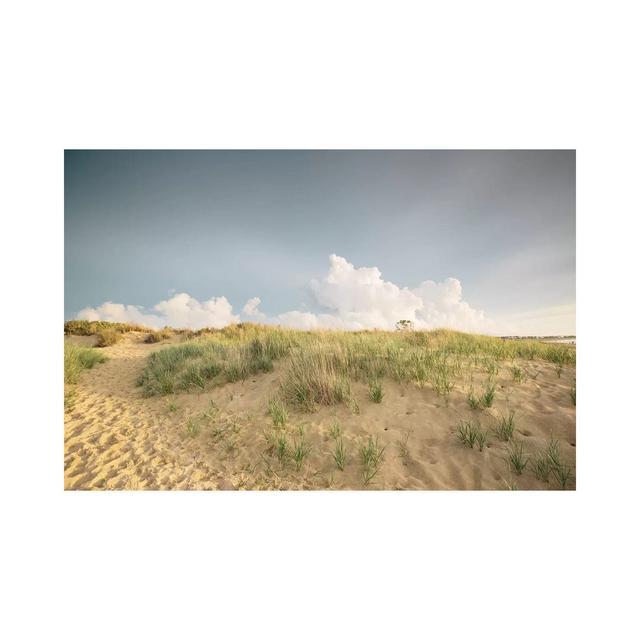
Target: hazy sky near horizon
(476,240)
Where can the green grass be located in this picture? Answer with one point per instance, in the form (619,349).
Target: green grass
(472,400)
(199,363)
(335,431)
(562,474)
(278,412)
(375,391)
(300,450)
(549,462)
(506,426)
(192,427)
(172,407)
(517,374)
(470,434)
(481,439)
(77,359)
(517,458)
(282,447)
(403,447)
(371,456)
(92,327)
(572,393)
(540,466)
(319,367)
(488,395)
(339,454)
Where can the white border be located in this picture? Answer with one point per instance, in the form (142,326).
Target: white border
(318,75)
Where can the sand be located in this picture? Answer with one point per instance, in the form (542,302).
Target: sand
(117,439)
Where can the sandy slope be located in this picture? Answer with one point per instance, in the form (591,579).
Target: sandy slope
(116,439)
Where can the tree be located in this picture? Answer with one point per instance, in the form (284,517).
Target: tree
(404,325)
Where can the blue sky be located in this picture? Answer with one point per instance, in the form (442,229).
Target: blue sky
(493,230)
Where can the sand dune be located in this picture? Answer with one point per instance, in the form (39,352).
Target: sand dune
(117,439)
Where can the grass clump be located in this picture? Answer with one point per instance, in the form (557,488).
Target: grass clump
(313,378)
(158,336)
(506,427)
(197,363)
(470,434)
(77,359)
(300,450)
(517,457)
(472,400)
(107,337)
(488,395)
(572,393)
(540,466)
(335,431)
(282,447)
(403,447)
(278,412)
(339,454)
(517,374)
(193,427)
(548,462)
(375,391)
(371,455)
(562,474)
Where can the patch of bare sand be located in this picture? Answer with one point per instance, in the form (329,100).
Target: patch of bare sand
(117,439)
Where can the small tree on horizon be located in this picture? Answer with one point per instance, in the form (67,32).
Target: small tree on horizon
(404,325)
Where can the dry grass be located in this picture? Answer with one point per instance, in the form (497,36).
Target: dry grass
(107,337)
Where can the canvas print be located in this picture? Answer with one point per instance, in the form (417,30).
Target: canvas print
(319,320)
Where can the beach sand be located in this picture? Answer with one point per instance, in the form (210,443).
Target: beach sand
(114,438)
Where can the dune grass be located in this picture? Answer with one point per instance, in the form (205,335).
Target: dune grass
(470,434)
(107,337)
(319,367)
(339,454)
(517,457)
(371,455)
(92,327)
(77,359)
(375,391)
(506,425)
(278,412)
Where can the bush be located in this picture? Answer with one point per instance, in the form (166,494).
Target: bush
(107,337)
(92,327)
(158,336)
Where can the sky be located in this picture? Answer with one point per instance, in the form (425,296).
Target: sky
(480,241)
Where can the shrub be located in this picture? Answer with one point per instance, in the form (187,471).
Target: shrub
(107,337)
(158,336)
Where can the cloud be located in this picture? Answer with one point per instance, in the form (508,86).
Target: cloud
(184,311)
(113,312)
(181,310)
(251,310)
(351,298)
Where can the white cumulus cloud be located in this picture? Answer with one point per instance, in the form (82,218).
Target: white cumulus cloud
(251,310)
(350,298)
(181,310)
